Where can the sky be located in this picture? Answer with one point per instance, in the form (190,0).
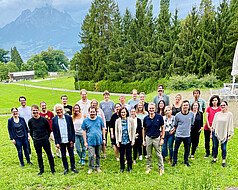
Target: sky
(11,9)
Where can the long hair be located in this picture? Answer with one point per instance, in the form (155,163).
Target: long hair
(137,108)
(212,98)
(73,111)
(162,111)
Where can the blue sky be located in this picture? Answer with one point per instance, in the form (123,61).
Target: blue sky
(11,9)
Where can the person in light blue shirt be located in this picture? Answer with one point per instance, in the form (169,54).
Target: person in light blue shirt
(202,103)
(94,137)
(161,96)
(132,102)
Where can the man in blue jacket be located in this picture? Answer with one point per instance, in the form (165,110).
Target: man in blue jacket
(63,129)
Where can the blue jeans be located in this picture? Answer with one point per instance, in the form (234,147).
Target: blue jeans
(186,141)
(216,144)
(22,142)
(79,141)
(71,155)
(168,139)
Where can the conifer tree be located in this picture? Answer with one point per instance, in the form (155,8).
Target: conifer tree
(16,58)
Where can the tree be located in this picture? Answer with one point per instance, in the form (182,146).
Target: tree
(3,56)
(16,58)
(12,67)
(40,69)
(3,72)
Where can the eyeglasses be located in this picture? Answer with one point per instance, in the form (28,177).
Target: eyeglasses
(223,105)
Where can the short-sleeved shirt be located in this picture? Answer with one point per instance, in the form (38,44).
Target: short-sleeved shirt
(107,108)
(25,113)
(211,111)
(183,123)
(93,130)
(169,124)
(153,126)
(48,115)
(164,97)
(84,106)
(201,102)
(133,102)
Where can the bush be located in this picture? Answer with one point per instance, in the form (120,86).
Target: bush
(150,84)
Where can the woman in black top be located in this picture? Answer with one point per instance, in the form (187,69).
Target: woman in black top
(19,134)
(176,107)
(196,128)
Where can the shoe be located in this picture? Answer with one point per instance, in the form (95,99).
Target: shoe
(40,173)
(140,157)
(146,156)
(75,171)
(59,156)
(186,163)
(174,164)
(30,163)
(147,170)
(192,157)
(53,173)
(22,165)
(80,161)
(161,172)
(213,161)
(66,171)
(83,162)
(99,170)
(163,159)
(129,170)
(134,162)
(90,171)
(122,170)
(118,159)
(223,165)
(206,156)
(105,156)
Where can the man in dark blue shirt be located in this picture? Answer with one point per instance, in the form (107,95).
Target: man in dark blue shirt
(153,136)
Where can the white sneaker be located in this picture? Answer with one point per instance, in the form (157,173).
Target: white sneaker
(147,170)
(140,157)
(161,172)
(99,170)
(90,171)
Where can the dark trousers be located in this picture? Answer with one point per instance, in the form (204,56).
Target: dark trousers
(194,140)
(137,148)
(29,147)
(122,150)
(71,155)
(39,144)
(207,142)
(144,151)
(216,144)
(106,131)
(22,142)
(186,142)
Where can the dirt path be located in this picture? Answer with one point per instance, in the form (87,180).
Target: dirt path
(232,104)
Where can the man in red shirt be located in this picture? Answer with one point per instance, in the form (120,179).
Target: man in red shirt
(49,115)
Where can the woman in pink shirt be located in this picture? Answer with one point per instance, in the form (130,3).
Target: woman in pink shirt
(214,107)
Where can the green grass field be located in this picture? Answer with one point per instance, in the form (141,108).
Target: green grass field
(201,175)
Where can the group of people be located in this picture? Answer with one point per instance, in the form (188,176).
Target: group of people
(135,125)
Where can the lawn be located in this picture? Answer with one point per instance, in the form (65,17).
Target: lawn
(201,175)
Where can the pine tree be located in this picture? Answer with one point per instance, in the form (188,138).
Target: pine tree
(16,58)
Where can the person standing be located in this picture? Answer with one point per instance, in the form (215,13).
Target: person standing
(161,96)
(176,107)
(49,115)
(214,107)
(107,107)
(67,108)
(84,103)
(114,117)
(78,118)
(63,129)
(125,138)
(25,112)
(94,137)
(132,102)
(19,135)
(138,136)
(153,136)
(122,100)
(161,107)
(169,121)
(196,127)
(142,99)
(40,133)
(222,130)
(202,103)
(183,122)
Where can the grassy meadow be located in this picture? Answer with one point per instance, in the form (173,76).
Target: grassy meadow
(201,175)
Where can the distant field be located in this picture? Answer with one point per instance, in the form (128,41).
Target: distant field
(64,83)
(201,175)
